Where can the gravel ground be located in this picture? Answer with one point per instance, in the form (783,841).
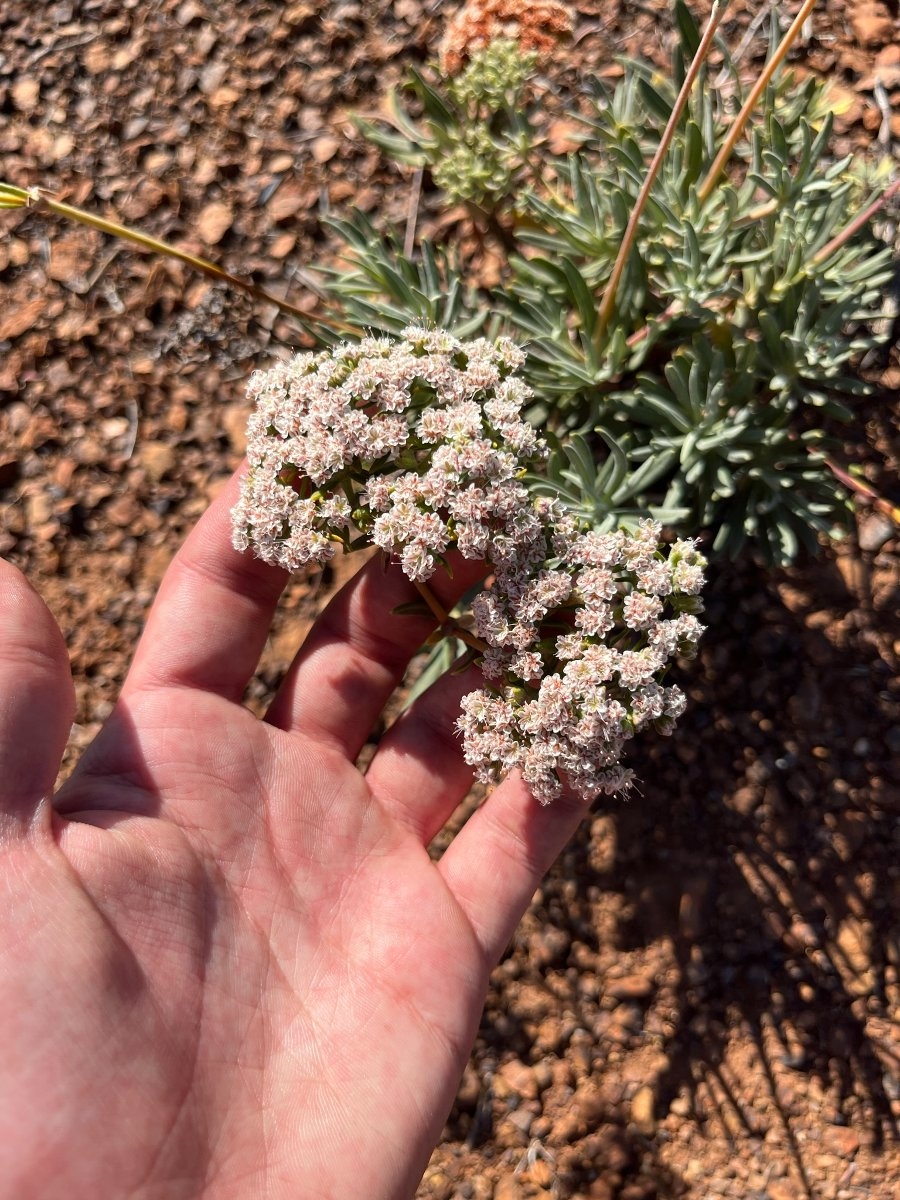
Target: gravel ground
(702,1000)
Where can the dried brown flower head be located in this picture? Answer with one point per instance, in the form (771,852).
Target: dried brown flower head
(536,27)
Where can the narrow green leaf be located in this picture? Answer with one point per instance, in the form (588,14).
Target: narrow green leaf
(688,30)
(582,296)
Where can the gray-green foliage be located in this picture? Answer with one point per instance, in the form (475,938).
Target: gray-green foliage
(736,323)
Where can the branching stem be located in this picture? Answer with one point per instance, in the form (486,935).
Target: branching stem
(446,622)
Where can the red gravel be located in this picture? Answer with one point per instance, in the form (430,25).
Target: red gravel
(703,999)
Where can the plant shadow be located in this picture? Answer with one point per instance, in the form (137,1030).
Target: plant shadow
(727,936)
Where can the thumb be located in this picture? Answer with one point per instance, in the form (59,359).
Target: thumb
(37,698)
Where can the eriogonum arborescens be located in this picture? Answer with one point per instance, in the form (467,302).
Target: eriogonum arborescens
(418,446)
(575,651)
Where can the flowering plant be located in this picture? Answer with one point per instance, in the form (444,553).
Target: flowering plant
(698,330)
(689,334)
(693,274)
(417,446)
(479,136)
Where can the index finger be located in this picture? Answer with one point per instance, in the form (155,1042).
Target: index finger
(210,620)
(37,699)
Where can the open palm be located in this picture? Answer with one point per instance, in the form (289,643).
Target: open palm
(228,966)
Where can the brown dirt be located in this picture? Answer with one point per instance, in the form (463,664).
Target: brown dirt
(703,998)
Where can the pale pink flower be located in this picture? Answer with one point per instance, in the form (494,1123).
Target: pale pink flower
(419,444)
(640,611)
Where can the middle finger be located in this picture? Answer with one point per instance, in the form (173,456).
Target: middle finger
(357,653)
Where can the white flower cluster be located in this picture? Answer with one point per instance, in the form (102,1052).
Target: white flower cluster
(418,446)
(576,652)
(413,445)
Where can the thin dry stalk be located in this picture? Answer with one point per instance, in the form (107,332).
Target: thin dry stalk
(752,100)
(865,491)
(607,304)
(15,197)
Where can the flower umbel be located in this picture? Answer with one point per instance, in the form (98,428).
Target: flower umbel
(414,445)
(418,446)
(574,661)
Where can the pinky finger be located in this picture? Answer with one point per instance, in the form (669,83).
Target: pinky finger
(37,699)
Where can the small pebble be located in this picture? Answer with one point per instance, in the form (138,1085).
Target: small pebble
(874,530)
(643,1105)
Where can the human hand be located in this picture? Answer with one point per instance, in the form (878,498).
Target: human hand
(229,966)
